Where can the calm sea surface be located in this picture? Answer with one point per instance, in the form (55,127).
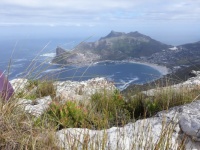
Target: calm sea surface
(31,58)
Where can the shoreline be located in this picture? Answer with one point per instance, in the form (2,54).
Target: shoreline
(162,69)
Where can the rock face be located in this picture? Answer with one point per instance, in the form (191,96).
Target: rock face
(182,121)
(72,90)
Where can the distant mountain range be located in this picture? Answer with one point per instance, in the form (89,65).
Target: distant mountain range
(130,46)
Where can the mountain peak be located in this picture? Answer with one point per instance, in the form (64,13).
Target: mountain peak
(60,50)
(135,34)
(113,34)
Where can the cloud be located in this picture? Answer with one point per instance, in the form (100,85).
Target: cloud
(91,13)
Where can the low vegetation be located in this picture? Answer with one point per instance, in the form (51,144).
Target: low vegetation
(37,89)
(17,130)
(20,130)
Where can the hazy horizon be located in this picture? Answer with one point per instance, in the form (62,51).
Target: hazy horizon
(172,22)
(29,32)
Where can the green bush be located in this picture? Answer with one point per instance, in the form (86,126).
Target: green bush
(66,115)
(45,88)
(135,106)
(142,105)
(110,107)
(37,89)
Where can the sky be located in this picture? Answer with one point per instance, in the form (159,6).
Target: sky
(170,21)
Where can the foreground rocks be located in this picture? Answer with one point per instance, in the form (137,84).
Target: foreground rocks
(65,90)
(179,124)
(73,90)
(174,127)
(35,107)
(19,84)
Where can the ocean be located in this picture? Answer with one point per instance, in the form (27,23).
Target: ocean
(31,58)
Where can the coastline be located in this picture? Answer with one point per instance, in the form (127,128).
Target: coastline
(162,69)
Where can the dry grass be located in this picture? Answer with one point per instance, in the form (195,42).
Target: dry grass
(17,130)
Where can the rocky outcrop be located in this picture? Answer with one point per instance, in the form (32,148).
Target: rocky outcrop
(194,73)
(73,90)
(80,58)
(65,90)
(35,107)
(19,84)
(60,51)
(179,124)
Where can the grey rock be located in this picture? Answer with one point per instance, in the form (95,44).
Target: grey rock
(35,107)
(19,84)
(73,90)
(143,134)
(182,122)
(194,73)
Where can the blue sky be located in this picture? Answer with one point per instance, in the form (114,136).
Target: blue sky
(172,22)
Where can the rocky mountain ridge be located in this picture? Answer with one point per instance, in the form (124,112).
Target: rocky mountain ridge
(114,46)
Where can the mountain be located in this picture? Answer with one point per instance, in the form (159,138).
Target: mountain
(114,46)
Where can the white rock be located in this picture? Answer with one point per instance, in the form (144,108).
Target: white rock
(36,107)
(19,84)
(73,90)
(140,135)
(143,134)
(190,126)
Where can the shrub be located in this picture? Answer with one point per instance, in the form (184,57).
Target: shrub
(66,115)
(142,105)
(45,88)
(37,89)
(110,107)
(18,132)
